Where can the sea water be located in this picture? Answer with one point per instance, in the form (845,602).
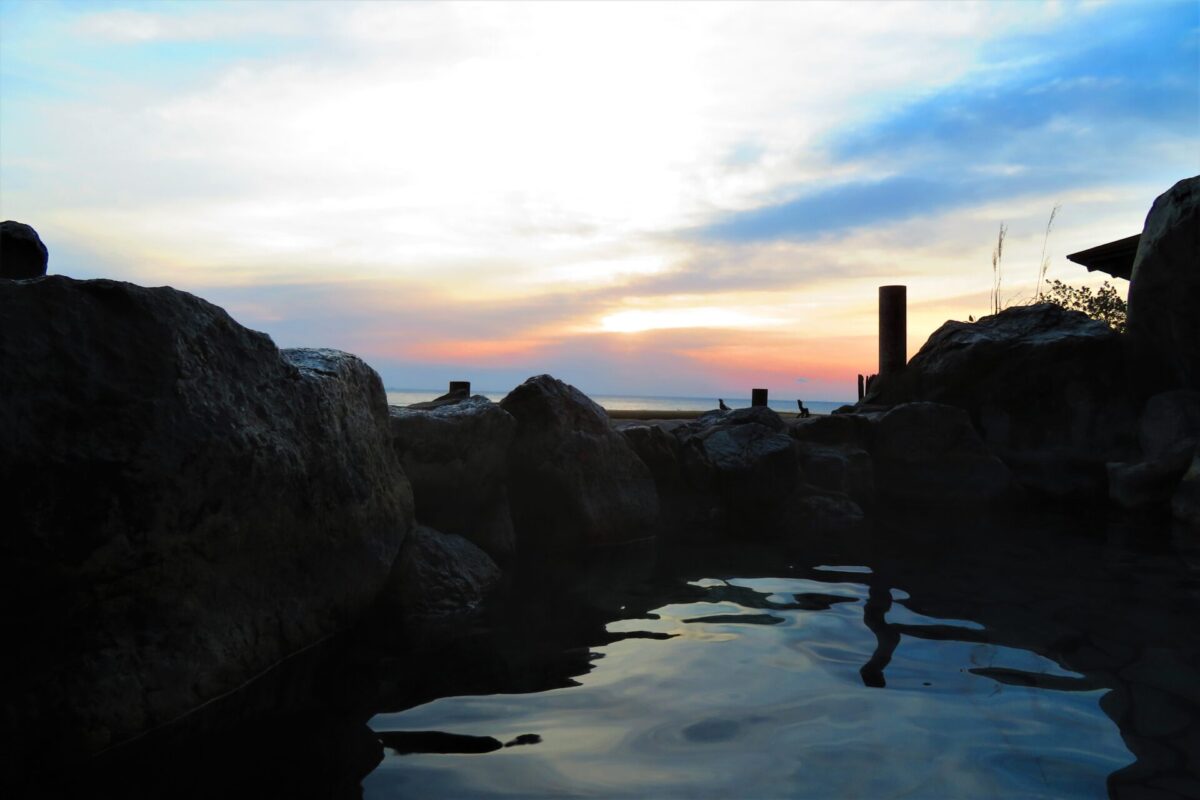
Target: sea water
(404,397)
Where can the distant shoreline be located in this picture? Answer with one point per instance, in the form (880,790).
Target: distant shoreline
(667,414)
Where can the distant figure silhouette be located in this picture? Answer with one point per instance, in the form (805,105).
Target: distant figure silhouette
(803,410)
(721,404)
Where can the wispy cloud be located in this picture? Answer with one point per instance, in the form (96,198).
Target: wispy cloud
(483,186)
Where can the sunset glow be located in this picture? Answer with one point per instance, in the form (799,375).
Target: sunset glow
(642,198)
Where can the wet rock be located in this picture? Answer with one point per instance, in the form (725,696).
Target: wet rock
(929,454)
(439,575)
(189,506)
(1164,289)
(456,457)
(1045,388)
(22,254)
(573,481)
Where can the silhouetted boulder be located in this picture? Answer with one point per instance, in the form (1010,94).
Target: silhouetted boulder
(928,454)
(455,454)
(1046,388)
(439,575)
(1164,290)
(22,254)
(573,481)
(187,506)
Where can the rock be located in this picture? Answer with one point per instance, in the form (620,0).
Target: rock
(22,254)
(456,457)
(1169,428)
(835,429)
(660,452)
(1044,387)
(439,575)
(818,514)
(189,507)
(1164,290)
(1185,502)
(573,481)
(750,458)
(928,454)
(1144,484)
(844,469)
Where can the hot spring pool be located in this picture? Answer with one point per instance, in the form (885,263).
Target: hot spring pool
(1021,659)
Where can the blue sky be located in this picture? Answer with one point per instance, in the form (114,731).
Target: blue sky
(642,197)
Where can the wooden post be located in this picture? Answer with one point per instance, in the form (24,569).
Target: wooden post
(460,387)
(893,329)
(758,397)
(862,387)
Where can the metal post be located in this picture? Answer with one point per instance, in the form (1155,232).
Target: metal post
(893,329)
(758,397)
(460,387)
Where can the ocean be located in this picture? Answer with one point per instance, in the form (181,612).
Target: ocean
(404,397)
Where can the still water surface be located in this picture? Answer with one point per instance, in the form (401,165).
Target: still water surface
(974,661)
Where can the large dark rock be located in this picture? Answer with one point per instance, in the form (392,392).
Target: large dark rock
(1045,387)
(439,575)
(187,507)
(456,457)
(573,481)
(928,454)
(750,456)
(1164,290)
(22,254)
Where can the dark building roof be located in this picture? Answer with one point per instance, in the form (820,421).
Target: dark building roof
(1115,258)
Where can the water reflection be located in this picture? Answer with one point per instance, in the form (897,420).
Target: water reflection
(1032,656)
(1006,650)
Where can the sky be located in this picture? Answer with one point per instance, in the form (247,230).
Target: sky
(639,198)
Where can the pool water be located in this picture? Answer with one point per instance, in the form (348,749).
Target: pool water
(1017,657)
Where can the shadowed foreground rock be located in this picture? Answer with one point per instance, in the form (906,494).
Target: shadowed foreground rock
(927,454)
(573,481)
(194,506)
(1045,387)
(439,575)
(22,254)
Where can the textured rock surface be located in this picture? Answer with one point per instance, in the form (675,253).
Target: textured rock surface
(22,254)
(928,454)
(1045,388)
(749,455)
(455,455)
(440,575)
(573,481)
(1164,290)
(189,505)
